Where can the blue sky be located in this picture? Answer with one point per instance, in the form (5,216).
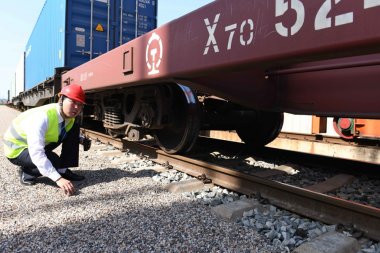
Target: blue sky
(17,18)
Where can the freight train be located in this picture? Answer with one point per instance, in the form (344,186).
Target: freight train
(240,65)
(69,33)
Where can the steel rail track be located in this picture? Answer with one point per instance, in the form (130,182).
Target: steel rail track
(364,150)
(330,210)
(359,149)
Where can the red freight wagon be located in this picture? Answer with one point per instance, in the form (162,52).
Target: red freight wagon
(239,64)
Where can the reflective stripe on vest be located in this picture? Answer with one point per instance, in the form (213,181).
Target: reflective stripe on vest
(15,139)
(11,144)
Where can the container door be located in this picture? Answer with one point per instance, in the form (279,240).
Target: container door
(135,18)
(89,29)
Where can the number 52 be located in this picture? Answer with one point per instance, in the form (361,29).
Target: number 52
(322,19)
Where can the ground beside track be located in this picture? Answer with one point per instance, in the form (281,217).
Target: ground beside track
(113,210)
(105,214)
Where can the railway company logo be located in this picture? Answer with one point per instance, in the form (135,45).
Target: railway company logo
(153,54)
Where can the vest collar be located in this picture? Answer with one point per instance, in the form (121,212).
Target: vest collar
(60,118)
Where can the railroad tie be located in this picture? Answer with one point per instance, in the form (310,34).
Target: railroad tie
(331,184)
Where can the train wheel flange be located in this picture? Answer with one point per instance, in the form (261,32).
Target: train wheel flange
(181,132)
(261,129)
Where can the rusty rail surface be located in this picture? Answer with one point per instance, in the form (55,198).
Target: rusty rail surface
(361,150)
(327,209)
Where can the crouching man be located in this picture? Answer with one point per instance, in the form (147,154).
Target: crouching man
(34,134)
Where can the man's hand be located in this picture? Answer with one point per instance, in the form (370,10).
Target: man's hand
(86,143)
(66,186)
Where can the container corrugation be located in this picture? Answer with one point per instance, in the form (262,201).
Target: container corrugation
(17,81)
(19,76)
(146,18)
(12,90)
(69,33)
(44,50)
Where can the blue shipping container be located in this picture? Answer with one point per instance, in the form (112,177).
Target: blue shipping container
(69,33)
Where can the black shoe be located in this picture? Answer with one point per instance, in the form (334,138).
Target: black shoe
(69,175)
(25,180)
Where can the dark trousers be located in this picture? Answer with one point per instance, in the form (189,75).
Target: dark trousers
(69,155)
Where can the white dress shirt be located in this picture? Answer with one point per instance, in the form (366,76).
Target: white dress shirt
(35,128)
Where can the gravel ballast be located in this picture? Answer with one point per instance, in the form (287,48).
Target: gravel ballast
(124,207)
(113,210)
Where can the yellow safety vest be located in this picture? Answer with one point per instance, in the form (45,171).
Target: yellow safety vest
(15,138)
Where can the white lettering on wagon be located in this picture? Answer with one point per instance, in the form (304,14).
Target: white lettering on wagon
(85,76)
(211,36)
(324,19)
(246,25)
(282,6)
(371,3)
(153,54)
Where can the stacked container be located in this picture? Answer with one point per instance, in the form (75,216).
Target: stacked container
(69,33)
(17,81)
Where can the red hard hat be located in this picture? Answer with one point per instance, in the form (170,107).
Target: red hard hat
(74,92)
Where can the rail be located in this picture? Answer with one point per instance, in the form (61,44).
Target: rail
(311,204)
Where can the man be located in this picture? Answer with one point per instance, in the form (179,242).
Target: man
(35,133)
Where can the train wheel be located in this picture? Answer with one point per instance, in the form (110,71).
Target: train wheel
(261,129)
(182,129)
